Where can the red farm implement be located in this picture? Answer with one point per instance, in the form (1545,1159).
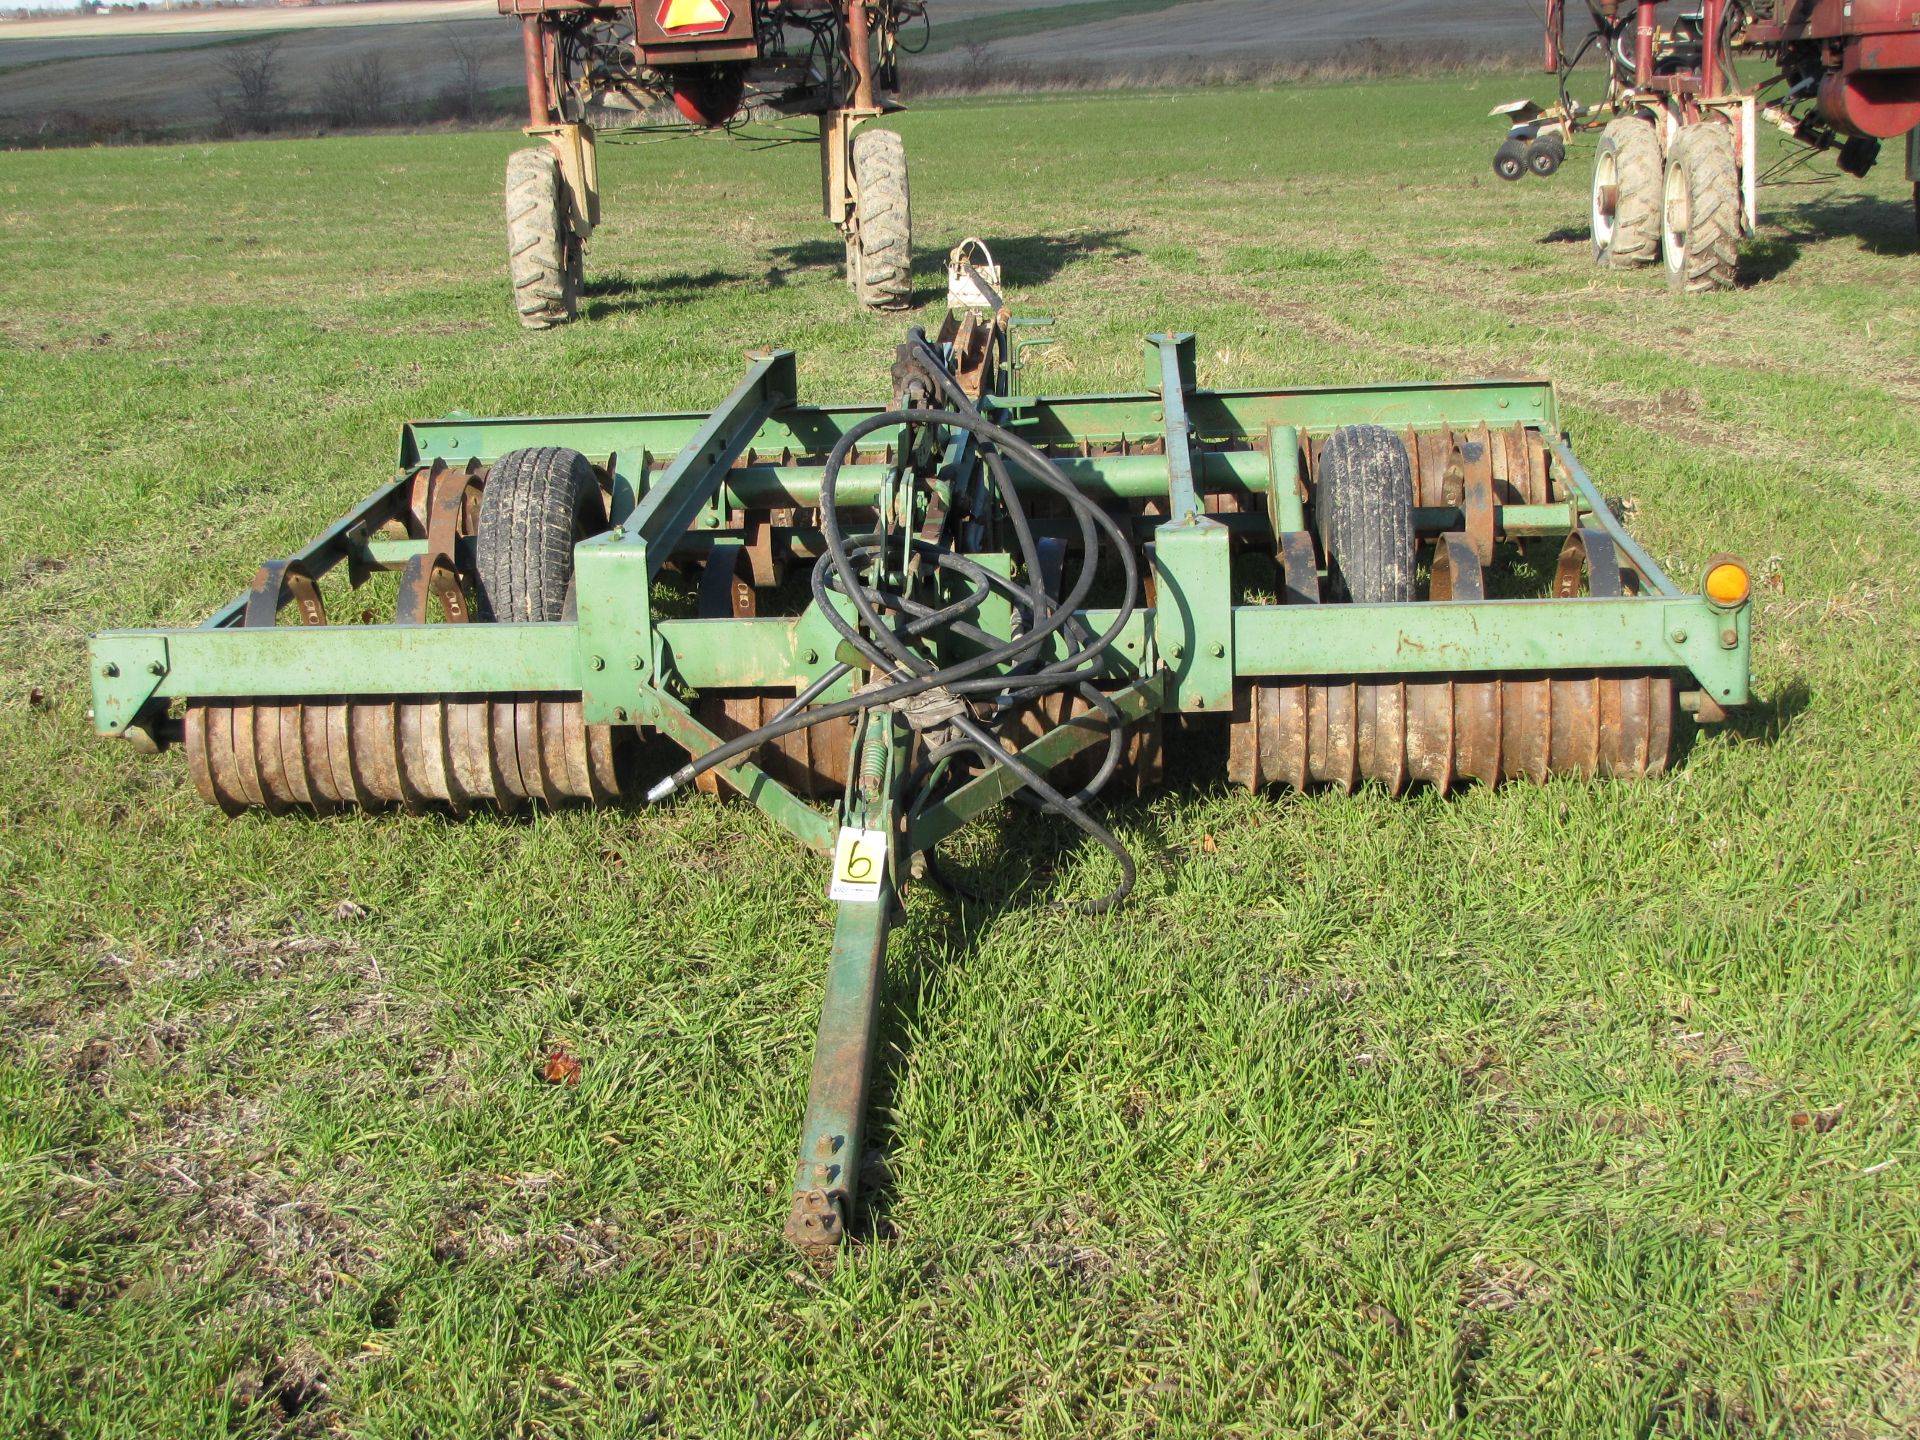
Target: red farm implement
(659,66)
(1675,172)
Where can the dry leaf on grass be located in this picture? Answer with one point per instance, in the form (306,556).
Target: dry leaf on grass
(561,1068)
(1818,1121)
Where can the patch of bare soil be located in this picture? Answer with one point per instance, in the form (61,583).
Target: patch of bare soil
(294,1389)
(1724,1060)
(1502,1285)
(240,1201)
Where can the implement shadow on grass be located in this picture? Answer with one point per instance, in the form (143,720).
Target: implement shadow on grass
(1762,721)
(1024,259)
(614,294)
(1881,228)
(1766,718)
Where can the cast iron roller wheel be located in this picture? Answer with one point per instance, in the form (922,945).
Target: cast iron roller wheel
(1700,216)
(1364,503)
(1626,194)
(880,254)
(1544,155)
(1510,160)
(543,254)
(536,505)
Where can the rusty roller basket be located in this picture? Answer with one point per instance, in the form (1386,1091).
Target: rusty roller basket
(877,623)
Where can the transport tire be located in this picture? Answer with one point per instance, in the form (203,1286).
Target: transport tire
(543,255)
(1365,510)
(881,258)
(1626,195)
(1546,155)
(1510,160)
(536,505)
(1700,215)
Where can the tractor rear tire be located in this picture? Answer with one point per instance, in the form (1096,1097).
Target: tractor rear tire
(536,505)
(1700,216)
(880,259)
(543,255)
(1626,195)
(1365,505)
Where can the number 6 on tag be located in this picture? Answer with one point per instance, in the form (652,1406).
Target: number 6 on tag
(859,860)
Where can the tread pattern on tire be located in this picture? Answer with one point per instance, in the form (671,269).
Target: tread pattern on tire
(535,505)
(1365,496)
(1712,260)
(541,257)
(884,279)
(1639,181)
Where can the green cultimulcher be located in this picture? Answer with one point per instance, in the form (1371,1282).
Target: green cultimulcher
(879,623)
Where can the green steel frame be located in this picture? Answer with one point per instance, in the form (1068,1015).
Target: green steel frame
(682,483)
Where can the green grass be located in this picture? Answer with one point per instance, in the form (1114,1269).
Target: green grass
(1577,1109)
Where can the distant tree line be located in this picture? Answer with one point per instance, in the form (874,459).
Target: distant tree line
(258,89)
(358,90)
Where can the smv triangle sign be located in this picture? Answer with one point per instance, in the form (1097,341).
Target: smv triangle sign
(693,17)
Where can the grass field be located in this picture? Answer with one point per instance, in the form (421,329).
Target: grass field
(1569,1110)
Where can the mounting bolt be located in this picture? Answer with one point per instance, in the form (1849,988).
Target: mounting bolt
(620,713)
(1219,650)
(110,670)
(713,521)
(619,532)
(822,1174)
(826,1145)
(599,662)
(1729,637)
(156,667)
(1178,651)
(1199,702)
(634,662)
(812,657)
(1677,635)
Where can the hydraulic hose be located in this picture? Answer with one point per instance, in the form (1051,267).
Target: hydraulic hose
(1003,674)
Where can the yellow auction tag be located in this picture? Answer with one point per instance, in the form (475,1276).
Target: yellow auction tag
(859,859)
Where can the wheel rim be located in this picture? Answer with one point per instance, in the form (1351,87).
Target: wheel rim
(1606,198)
(1675,215)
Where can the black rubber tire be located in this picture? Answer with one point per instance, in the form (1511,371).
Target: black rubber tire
(1510,160)
(543,255)
(536,504)
(1629,236)
(882,270)
(1545,156)
(1700,211)
(1364,503)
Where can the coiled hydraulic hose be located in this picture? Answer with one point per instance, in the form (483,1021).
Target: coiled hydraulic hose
(1004,674)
